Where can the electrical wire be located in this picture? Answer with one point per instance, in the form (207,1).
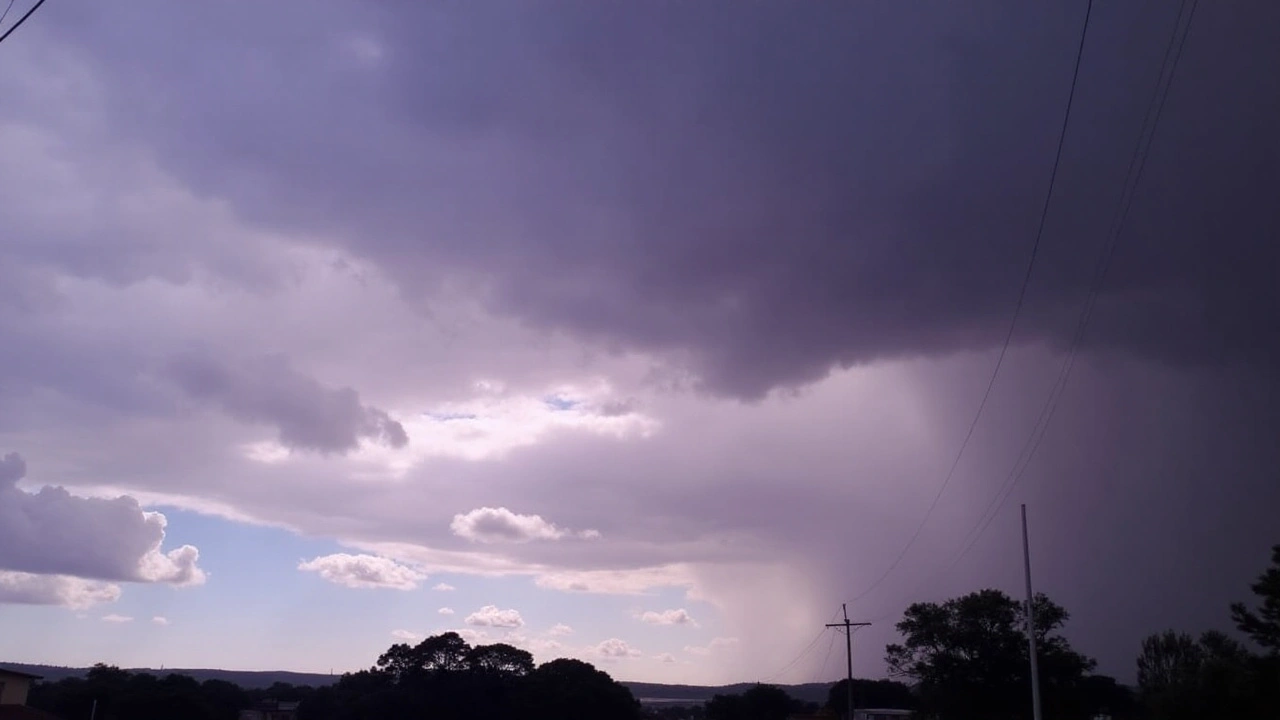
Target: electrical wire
(21,20)
(803,653)
(831,646)
(1017,311)
(1133,176)
(7,8)
(1137,164)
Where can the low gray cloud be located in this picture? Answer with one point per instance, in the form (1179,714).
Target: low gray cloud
(647,199)
(52,532)
(863,194)
(308,415)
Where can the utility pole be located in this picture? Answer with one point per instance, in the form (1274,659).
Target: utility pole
(1031,621)
(848,653)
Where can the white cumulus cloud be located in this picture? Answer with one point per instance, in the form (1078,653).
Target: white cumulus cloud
(113,618)
(22,588)
(491,616)
(494,525)
(613,648)
(445,611)
(405,635)
(160,620)
(678,616)
(364,571)
(559,630)
(444,587)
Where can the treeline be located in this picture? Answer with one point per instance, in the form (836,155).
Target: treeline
(968,659)
(963,659)
(442,677)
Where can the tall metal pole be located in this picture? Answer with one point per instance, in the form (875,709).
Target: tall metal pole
(1031,620)
(848,656)
(848,660)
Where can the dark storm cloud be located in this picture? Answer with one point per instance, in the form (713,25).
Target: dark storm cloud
(767,189)
(308,415)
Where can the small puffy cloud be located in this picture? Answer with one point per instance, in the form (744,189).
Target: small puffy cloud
(560,630)
(113,618)
(497,525)
(52,532)
(665,658)
(473,636)
(715,644)
(364,571)
(20,588)
(491,616)
(405,635)
(613,648)
(306,414)
(160,620)
(444,587)
(668,617)
(445,611)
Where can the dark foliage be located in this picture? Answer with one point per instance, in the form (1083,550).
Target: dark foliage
(121,695)
(1263,625)
(870,694)
(762,702)
(442,678)
(1216,676)
(968,658)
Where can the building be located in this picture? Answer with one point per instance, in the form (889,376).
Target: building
(269,710)
(14,687)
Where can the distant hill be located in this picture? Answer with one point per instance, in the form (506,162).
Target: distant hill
(248,679)
(261,679)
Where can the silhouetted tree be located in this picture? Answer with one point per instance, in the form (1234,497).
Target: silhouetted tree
(762,702)
(567,689)
(500,658)
(1264,624)
(1179,677)
(969,657)
(870,694)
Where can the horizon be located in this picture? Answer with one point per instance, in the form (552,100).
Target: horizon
(643,334)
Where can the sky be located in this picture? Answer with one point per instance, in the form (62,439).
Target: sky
(643,333)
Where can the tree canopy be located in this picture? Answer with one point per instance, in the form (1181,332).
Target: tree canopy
(968,657)
(441,677)
(1263,625)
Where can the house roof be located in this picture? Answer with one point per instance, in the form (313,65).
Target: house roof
(22,712)
(18,673)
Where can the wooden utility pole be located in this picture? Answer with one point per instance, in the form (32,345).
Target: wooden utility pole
(848,654)
(1031,621)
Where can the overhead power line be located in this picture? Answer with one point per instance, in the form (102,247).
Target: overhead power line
(1137,163)
(21,20)
(1013,322)
(803,653)
(7,8)
(1133,176)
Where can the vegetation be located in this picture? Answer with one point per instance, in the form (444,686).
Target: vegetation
(1216,676)
(442,677)
(964,658)
(968,657)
